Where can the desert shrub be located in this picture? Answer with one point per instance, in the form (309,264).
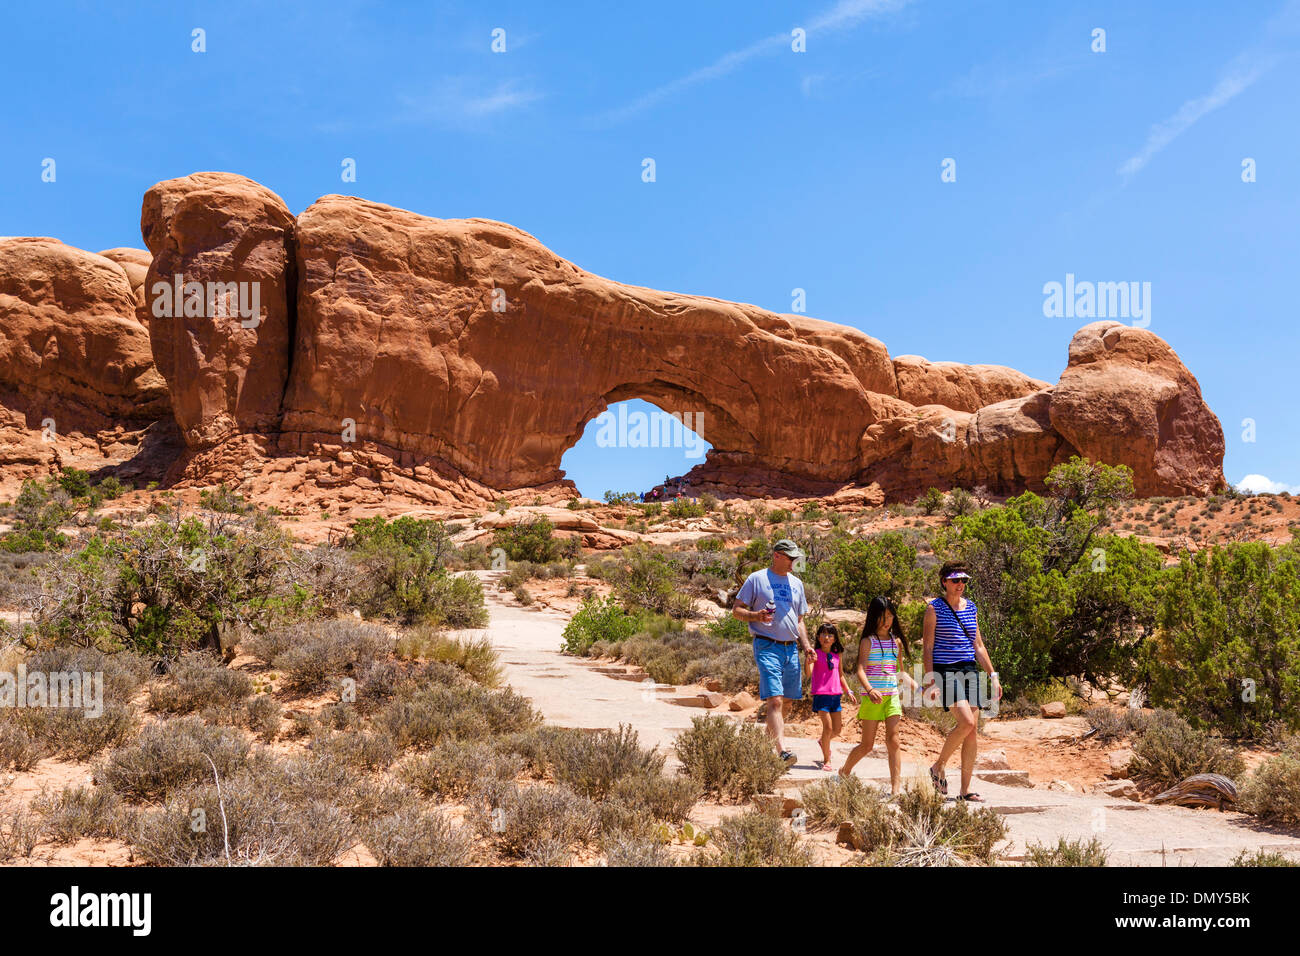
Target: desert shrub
(389,679)
(523,596)
(224,499)
(729,759)
(172,754)
(528,540)
(405,562)
(197,681)
(754,838)
(524,819)
(533,746)
(592,763)
(1055,599)
(254,816)
(777,516)
(858,569)
(123,672)
(828,803)
(263,715)
(680,657)
(1261,858)
(958,503)
(1272,792)
(931,501)
(328,650)
(1066,853)
(1168,750)
(419,837)
(728,628)
(1230,615)
(171,585)
(650,580)
(657,797)
(639,852)
(18,749)
(431,714)
(1111,723)
(598,620)
(75,734)
(78,812)
(476,657)
(22,834)
(455,769)
(360,749)
(685,508)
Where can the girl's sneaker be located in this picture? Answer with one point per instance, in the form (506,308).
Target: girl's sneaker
(789,758)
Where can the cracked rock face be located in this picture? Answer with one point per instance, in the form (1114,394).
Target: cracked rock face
(231,242)
(465,357)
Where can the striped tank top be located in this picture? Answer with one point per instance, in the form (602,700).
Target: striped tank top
(951,644)
(881,665)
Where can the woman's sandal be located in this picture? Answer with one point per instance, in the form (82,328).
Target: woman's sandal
(940,783)
(972,797)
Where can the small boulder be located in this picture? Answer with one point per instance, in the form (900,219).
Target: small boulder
(992,760)
(713,684)
(849,836)
(742,701)
(1063,786)
(713,700)
(1123,789)
(1119,761)
(776,803)
(1054,709)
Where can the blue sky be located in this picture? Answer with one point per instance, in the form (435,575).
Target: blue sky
(775,170)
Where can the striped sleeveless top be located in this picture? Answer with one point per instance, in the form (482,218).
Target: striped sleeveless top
(951,645)
(881,665)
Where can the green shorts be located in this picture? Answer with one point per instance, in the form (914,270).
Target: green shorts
(889,707)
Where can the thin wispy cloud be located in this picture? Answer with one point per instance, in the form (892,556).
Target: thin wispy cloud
(1165,132)
(459,98)
(845,15)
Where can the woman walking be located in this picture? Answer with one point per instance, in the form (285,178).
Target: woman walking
(953,651)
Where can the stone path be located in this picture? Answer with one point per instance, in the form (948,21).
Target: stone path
(571,692)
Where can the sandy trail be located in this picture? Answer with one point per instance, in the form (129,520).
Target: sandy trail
(571,693)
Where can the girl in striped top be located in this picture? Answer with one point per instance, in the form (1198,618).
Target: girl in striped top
(879,649)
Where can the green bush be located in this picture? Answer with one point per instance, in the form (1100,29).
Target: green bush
(1258,858)
(528,541)
(729,759)
(858,569)
(598,620)
(685,508)
(405,562)
(1227,651)
(931,501)
(650,580)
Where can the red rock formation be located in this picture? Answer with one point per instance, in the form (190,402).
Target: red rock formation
(452,360)
(1126,397)
(227,373)
(135,263)
(70,345)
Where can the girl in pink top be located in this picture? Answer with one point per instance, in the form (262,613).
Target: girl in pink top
(828,686)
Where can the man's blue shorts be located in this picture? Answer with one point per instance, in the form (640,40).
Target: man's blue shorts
(778,669)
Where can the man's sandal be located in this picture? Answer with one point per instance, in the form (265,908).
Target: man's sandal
(940,783)
(972,797)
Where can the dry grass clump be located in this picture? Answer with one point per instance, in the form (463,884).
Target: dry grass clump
(432,714)
(18,749)
(1167,750)
(920,828)
(71,733)
(593,762)
(418,837)
(1066,853)
(524,820)
(1272,792)
(78,812)
(457,768)
(172,754)
(638,852)
(198,681)
(828,803)
(754,838)
(20,835)
(475,656)
(311,655)
(727,758)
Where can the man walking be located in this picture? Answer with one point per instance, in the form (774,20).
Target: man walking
(772,603)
